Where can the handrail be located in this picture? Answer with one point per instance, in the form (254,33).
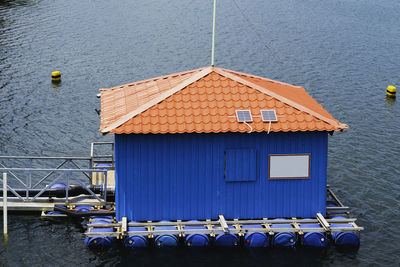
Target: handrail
(41,157)
(93,156)
(72,162)
(68,173)
(50,169)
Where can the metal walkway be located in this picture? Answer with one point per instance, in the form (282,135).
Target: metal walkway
(28,183)
(221,226)
(214,227)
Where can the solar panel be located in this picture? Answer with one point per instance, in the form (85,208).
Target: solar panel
(268,115)
(244,116)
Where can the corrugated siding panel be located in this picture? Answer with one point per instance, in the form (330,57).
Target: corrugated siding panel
(181,176)
(240,165)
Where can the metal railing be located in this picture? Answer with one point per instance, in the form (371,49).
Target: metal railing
(67,169)
(65,172)
(96,158)
(43,160)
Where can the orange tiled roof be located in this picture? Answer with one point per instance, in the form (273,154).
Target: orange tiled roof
(205,100)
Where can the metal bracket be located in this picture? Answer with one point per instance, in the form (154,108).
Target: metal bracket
(124,226)
(210,227)
(180,228)
(223,223)
(323,222)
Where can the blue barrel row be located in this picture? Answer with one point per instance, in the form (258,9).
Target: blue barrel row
(99,242)
(252,239)
(341,238)
(94,242)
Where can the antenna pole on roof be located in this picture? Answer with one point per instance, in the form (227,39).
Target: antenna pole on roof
(213,35)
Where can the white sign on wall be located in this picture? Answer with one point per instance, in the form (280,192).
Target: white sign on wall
(289,166)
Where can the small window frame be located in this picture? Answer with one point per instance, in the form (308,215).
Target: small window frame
(308,176)
(250,166)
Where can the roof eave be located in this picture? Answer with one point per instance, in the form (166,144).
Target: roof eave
(342,127)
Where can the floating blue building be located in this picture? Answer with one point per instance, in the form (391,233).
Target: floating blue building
(197,144)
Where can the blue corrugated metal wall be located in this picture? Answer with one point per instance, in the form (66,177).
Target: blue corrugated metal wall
(182,176)
(240,165)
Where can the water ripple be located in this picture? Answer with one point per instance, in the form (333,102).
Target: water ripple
(344,53)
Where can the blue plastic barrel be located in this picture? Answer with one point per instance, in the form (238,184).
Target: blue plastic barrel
(104,217)
(313,239)
(344,238)
(56,212)
(165,240)
(58,185)
(99,242)
(283,239)
(227,239)
(136,241)
(255,239)
(83,208)
(196,240)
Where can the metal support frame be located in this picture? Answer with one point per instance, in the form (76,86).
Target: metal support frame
(213,34)
(124,226)
(72,160)
(27,184)
(67,172)
(105,187)
(5,229)
(50,173)
(91,192)
(30,164)
(322,221)
(334,196)
(94,157)
(221,225)
(15,176)
(45,188)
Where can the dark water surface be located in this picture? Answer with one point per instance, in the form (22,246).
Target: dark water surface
(344,52)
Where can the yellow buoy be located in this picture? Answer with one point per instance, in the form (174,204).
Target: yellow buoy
(391,91)
(56,76)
